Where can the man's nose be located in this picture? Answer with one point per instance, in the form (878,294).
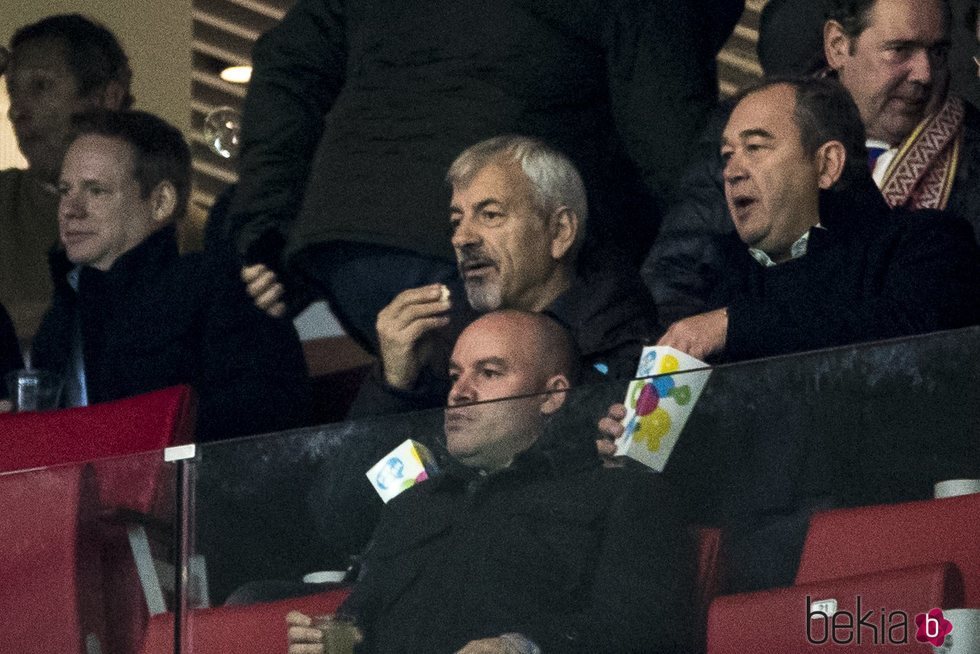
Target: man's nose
(922,66)
(17,110)
(464,234)
(70,206)
(734,169)
(462,392)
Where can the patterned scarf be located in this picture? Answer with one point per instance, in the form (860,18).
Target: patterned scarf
(921,174)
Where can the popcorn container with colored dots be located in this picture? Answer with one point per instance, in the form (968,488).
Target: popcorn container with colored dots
(402,468)
(657,407)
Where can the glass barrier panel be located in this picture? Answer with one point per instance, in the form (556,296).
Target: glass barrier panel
(87,561)
(754,448)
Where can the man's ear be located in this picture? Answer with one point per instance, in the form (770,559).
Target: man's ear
(554,398)
(111,96)
(830,159)
(164,201)
(563,226)
(836,44)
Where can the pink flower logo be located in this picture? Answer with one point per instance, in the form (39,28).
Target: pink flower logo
(932,627)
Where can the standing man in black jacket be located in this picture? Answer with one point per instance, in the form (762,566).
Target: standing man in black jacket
(131,315)
(525,544)
(357,107)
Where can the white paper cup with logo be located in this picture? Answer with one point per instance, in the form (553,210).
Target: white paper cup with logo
(340,634)
(34,390)
(956,487)
(965,637)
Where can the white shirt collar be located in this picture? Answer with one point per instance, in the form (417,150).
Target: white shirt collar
(797,250)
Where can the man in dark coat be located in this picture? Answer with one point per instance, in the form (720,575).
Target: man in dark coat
(58,66)
(819,260)
(525,544)
(356,108)
(130,315)
(518,217)
(925,142)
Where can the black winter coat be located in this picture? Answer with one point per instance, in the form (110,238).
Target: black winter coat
(156,319)
(577,557)
(870,274)
(676,268)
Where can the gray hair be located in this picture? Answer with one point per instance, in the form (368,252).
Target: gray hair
(554,179)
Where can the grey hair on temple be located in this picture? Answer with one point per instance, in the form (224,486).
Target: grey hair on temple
(553,176)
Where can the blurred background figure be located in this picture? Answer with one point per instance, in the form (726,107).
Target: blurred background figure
(55,67)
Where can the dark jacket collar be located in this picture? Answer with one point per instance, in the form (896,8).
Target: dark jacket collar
(605,311)
(856,205)
(558,451)
(142,262)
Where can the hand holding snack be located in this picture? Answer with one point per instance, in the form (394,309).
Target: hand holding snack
(406,331)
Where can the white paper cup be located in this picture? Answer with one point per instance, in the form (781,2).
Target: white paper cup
(325,577)
(955,487)
(965,637)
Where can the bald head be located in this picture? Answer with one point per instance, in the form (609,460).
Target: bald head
(506,354)
(534,339)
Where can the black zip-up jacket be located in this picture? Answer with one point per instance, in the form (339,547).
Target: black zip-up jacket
(574,556)
(156,319)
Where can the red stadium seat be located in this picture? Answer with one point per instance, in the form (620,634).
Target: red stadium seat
(111,435)
(252,629)
(136,424)
(908,557)
(50,589)
(847,542)
(776,621)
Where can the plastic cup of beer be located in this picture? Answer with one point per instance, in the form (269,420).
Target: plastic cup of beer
(340,634)
(34,390)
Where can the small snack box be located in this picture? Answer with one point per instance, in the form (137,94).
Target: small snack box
(658,408)
(403,467)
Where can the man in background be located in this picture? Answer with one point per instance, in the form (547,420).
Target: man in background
(131,315)
(923,142)
(355,111)
(57,66)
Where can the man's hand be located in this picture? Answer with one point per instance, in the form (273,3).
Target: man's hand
(6,406)
(303,637)
(491,646)
(610,428)
(406,331)
(701,335)
(265,289)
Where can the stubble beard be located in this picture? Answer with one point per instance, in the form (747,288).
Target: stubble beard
(483,295)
